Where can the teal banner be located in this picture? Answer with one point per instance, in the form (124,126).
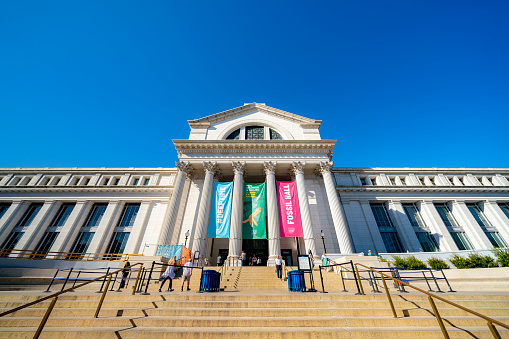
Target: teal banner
(254,223)
(220,211)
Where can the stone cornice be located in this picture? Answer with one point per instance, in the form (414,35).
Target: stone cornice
(420,170)
(90,170)
(442,189)
(202,122)
(82,189)
(254,146)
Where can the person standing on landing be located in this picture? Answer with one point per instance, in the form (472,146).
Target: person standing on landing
(186,275)
(168,274)
(279,267)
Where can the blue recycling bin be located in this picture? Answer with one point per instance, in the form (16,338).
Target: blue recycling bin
(210,281)
(296,282)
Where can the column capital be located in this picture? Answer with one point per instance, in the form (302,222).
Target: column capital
(210,166)
(185,167)
(269,167)
(325,166)
(297,167)
(238,167)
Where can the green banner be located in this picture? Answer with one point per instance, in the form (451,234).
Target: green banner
(254,222)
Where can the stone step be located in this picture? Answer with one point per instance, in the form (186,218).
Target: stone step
(248,332)
(213,321)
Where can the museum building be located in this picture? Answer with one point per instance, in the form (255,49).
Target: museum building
(259,180)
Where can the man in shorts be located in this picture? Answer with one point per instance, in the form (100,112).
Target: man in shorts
(186,274)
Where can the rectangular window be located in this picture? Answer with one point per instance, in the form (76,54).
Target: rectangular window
(95,215)
(82,242)
(3,208)
(505,208)
(495,239)
(63,213)
(45,243)
(12,240)
(392,242)
(413,215)
(255,133)
(146,181)
(29,215)
(136,181)
(363,181)
(128,215)
(427,241)
(118,242)
(478,215)
(446,215)
(461,240)
(117,180)
(381,216)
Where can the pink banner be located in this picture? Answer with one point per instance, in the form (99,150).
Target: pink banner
(289,213)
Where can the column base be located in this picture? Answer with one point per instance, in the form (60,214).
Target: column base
(235,260)
(271,261)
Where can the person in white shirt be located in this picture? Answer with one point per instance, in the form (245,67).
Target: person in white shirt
(219,260)
(186,274)
(279,267)
(168,274)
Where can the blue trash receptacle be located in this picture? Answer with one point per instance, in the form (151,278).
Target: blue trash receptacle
(296,282)
(210,281)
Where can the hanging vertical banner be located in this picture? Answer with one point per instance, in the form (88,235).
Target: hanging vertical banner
(254,224)
(220,211)
(289,213)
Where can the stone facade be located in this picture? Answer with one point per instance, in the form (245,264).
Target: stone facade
(355,209)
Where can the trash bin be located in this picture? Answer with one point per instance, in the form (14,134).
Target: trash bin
(296,282)
(210,281)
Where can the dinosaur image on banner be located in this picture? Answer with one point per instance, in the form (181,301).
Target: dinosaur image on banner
(254,221)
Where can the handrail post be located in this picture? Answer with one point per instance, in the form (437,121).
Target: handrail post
(102,297)
(360,282)
(51,283)
(342,278)
(45,318)
(439,319)
(389,297)
(494,331)
(149,277)
(79,272)
(436,283)
(321,278)
(65,282)
(137,278)
(104,280)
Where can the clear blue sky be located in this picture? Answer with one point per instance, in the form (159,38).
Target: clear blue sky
(111,83)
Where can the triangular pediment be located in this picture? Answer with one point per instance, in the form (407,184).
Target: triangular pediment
(253,107)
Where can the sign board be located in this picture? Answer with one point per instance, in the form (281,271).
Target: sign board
(303,263)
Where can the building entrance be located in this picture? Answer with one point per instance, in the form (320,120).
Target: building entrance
(286,255)
(258,247)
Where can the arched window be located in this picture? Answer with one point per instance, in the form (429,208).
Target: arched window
(253,133)
(235,135)
(275,135)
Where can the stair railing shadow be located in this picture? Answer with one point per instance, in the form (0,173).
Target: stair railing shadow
(55,296)
(490,321)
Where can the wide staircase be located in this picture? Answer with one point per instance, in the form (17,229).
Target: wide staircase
(255,304)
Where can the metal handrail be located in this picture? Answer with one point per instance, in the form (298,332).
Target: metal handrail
(56,295)
(32,254)
(490,321)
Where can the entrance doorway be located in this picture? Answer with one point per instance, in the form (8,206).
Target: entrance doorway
(223,252)
(258,247)
(286,255)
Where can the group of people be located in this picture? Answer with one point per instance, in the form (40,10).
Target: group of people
(169,274)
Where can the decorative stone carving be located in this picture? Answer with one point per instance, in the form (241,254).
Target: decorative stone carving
(185,167)
(270,167)
(210,166)
(238,167)
(297,167)
(325,166)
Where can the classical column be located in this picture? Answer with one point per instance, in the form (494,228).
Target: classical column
(272,212)
(106,226)
(34,231)
(184,169)
(338,216)
(307,227)
(70,230)
(236,217)
(474,232)
(202,222)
